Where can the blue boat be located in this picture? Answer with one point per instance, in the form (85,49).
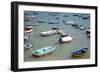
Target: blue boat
(43,51)
(27,44)
(80,52)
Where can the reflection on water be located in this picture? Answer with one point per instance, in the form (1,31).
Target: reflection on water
(63,51)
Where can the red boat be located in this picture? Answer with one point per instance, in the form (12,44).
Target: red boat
(27,30)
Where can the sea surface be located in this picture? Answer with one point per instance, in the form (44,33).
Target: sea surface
(63,51)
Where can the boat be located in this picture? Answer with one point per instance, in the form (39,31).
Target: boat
(60,31)
(85,18)
(27,30)
(41,21)
(27,45)
(75,25)
(46,33)
(88,35)
(79,53)
(57,27)
(28,17)
(65,38)
(88,31)
(82,28)
(53,22)
(43,51)
(75,15)
(68,22)
(26,35)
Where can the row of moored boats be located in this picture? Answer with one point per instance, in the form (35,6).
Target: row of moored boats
(49,49)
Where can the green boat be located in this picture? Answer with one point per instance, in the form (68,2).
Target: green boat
(43,51)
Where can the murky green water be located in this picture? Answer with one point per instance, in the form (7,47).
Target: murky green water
(63,51)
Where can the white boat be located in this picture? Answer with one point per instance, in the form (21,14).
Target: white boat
(65,38)
(50,32)
(69,22)
(57,27)
(43,51)
(82,28)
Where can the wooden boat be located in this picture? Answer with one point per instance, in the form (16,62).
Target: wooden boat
(46,33)
(65,38)
(27,43)
(43,51)
(27,30)
(79,53)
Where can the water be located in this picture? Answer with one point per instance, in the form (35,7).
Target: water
(63,51)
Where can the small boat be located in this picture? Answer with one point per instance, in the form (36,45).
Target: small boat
(85,18)
(68,22)
(65,38)
(27,43)
(88,35)
(26,36)
(60,31)
(46,33)
(53,22)
(75,15)
(57,27)
(41,21)
(82,28)
(75,25)
(28,17)
(27,29)
(79,53)
(88,31)
(43,51)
